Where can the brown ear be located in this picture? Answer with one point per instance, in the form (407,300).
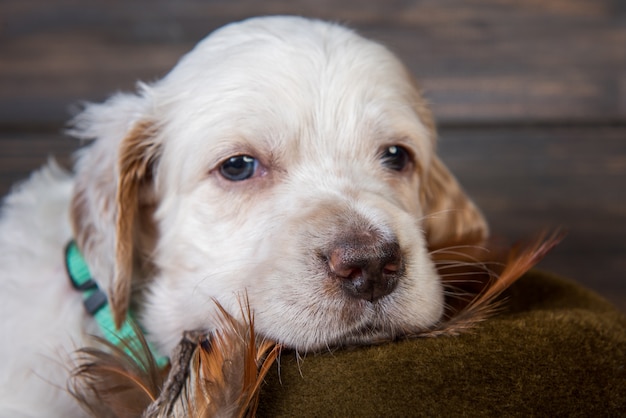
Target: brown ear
(138,154)
(450,217)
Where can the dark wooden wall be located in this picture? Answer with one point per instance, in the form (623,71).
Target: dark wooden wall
(530,96)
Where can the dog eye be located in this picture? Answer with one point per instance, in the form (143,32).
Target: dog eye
(395,158)
(239,167)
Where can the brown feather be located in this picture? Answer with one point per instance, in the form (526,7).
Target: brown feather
(476,277)
(228,369)
(116,381)
(216,374)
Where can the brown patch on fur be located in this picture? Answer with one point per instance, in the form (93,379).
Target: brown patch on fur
(138,154)
(450,217)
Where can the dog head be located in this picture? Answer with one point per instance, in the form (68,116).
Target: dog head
(283,158)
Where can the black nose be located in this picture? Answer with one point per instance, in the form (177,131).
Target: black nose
(368,270)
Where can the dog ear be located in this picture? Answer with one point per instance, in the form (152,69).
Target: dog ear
(138,155)
(450,217)
(113,197)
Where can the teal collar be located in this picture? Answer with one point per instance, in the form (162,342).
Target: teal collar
(96,304)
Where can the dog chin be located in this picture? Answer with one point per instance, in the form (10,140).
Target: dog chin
(357,322)
(365,334)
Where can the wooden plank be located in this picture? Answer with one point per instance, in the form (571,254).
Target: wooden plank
(479,61)
(571,177)
(523,179)
(534,178)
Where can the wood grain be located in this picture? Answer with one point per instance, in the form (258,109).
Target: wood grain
(479,60)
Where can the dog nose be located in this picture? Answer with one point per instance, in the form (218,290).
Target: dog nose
(367,271)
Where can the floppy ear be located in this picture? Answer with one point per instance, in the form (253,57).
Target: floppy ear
(450,217)
(113,198)
(137,157)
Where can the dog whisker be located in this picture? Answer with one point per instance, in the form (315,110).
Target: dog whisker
(458,249)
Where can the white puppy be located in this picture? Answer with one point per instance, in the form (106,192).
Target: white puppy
(286,158)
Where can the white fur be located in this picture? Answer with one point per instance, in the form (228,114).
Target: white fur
(315,103)
(42,317)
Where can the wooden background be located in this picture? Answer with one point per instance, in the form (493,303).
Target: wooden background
(530,96)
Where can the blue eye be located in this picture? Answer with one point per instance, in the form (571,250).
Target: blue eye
(239,167)
(395,158)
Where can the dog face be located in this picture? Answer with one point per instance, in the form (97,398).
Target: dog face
(285,159)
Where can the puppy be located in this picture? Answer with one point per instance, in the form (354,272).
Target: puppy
(285,159)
